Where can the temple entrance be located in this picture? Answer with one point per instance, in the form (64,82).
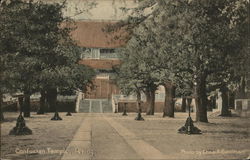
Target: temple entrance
(95,106)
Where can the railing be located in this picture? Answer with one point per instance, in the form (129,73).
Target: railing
(119,97)
(109,56)
(159,97)
(91,55)
(62,98)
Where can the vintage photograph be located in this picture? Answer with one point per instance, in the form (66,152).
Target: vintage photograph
(125,79)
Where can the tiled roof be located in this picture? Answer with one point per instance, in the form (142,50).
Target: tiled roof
(100,63)
(91,35)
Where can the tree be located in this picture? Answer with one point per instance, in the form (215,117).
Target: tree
(155,46)
(157,43)
(61,71)
(21,41)
(226,41)
(43,55)
(1,112)
(172,75)
(9,37)
(206,39)
(198,33)
(135,73)
(238,13)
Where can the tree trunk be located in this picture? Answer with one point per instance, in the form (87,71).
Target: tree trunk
(231,100)
(169,104)
(183,105)
(20,103)
(150,102)
(209,105)
(201,99)
(52,98)
(189,101)
(242,93)
(225,99)
(1,104)
(26,104)
(139,110)
(42,102)
(213,102)
(2,116)
(138,98)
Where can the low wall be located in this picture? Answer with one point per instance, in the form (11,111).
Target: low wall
(62,106)
(132,107)
(242,107)
(243,113)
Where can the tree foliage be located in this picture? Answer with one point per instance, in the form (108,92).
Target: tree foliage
(37,50)
(186,43)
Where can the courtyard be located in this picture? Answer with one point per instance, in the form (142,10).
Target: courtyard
(113,136)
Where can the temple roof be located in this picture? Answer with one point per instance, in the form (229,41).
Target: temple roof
(105,64)
(90,34)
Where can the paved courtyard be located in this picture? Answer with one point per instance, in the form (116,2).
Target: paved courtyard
(112,136)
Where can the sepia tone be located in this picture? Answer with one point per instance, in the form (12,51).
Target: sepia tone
(122,99)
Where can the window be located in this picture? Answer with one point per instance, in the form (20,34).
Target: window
(92,53)
(108,53)
(107,50)
(102,76)
(95,53)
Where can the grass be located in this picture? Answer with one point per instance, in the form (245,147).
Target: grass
(49,138)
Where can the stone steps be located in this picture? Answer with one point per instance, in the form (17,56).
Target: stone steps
(95,106)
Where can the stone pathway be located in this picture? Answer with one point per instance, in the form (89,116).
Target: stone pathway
(100,137)
(142,148)
(107,136)
(79,147)
(115,137)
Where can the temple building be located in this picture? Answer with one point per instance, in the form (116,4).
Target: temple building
(98,48)
(99,52)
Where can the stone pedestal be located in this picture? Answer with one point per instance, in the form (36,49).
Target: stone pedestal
(189,127)
(20,128)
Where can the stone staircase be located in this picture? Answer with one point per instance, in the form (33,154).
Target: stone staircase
(95,106)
